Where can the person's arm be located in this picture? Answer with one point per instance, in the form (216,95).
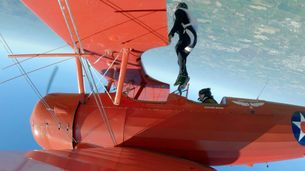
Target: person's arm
(177,22)
(189,48)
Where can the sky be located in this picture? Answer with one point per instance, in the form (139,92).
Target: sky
(244,47)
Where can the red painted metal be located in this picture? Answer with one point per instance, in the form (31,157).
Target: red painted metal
(138,24)
(79,71)
(116,159)
(237,131)
(54,129)
(49,55)
(224,134)
(19,161)
(80,79)
(122,76)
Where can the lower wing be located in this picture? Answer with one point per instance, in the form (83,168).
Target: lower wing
(109,159)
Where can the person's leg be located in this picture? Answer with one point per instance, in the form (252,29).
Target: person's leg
(182,56)
(181,64)
(177,48)
(183,75)
(182,59)
(187,40)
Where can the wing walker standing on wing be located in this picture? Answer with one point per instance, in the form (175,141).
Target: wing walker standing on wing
(141,125)
(185,27)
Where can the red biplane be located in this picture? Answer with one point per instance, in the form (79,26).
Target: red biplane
(142,126)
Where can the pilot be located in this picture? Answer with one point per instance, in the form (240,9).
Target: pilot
(205,96)
(185,27)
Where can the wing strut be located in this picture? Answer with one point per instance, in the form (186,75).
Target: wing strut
(49,55)
(122,76)
(80,79)
(83,62)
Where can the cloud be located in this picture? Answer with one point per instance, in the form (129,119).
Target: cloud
(258,7)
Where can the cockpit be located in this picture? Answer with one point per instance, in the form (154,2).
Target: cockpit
(204,95)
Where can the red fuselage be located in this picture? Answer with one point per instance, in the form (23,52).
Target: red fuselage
(238,131)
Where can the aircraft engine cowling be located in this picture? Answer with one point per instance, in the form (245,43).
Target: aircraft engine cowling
(52,121)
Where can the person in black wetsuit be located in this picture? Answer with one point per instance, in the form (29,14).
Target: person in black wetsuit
(185,28)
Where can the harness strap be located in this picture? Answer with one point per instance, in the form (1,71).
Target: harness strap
(186,25)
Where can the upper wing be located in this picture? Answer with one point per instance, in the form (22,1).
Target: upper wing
(96,159)
(105,27)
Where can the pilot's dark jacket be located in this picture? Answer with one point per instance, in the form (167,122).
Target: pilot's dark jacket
(208,100)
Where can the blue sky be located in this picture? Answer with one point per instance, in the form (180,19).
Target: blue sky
(238,68)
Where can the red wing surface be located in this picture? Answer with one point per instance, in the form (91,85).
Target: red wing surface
(105,28)
(96,159)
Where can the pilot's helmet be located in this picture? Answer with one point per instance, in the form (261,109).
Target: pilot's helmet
(182,5)
(205,92)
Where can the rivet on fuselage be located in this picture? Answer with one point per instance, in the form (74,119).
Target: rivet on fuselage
(59,126)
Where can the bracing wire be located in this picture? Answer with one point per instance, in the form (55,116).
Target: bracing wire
(87,70)
(99,102)
(102,85)
(110,66)
(34,88)
(97,99)
(23,72)
(103,76)
(3,44)
(21,61)
(37,69)
(262,90)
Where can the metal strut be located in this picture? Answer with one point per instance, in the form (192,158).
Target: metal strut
(80,79)
(122,76)
(110,81)
(85,64)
